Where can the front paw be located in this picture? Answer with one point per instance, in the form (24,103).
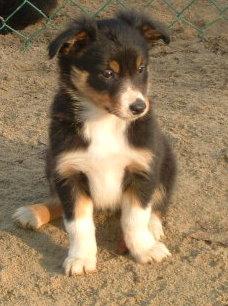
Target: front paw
(79,266)
(157,252)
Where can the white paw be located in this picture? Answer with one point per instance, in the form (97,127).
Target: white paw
(26,218)
(78,266)
(156,252)
(155,227)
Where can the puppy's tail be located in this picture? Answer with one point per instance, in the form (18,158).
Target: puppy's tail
(35,215)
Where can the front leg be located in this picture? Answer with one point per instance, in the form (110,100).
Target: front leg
(79,224)
(135,221)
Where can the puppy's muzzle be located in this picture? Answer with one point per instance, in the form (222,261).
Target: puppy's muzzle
(137,107)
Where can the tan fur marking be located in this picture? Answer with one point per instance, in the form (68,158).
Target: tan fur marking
(35,215)
(100,99)
(69,163)
(80,36)
(151,34)
(83,206)
(66,48)
(79,79)
(139,61)
(130,197)
(158,214)
(142,162)
(158,195)
(114,65)
(47,211)
(65,167)
(135,167)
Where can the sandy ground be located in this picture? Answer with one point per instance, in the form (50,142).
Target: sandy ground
(189,90)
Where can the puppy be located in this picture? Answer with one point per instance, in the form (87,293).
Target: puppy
(106,150)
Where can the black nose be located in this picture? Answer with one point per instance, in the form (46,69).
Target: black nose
(137,107)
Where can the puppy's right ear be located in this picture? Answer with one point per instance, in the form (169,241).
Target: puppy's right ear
(77,37)
(151,30)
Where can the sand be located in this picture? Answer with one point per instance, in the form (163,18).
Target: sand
(188,86)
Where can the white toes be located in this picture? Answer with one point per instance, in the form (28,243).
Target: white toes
(73,265)
(144,248)
(157,252)
(79,266)
(26,218)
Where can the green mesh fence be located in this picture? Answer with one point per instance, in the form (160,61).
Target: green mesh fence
(198,15)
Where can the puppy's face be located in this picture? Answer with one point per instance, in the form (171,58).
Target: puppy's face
(105,62)
(112,72)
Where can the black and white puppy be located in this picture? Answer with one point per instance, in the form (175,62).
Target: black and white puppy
(105,148)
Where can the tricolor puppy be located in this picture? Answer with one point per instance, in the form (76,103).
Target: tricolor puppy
(105,148)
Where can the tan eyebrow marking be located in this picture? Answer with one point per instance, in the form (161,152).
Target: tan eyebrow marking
(114,65)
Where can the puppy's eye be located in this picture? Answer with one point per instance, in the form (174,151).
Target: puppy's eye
(108,74)
(141,68)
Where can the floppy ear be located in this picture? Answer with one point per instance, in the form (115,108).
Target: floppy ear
(79,35)
(150,29)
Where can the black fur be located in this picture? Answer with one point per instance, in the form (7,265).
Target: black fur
(88,45)
(26,15)
(145,133)
(64,135)
(138,20)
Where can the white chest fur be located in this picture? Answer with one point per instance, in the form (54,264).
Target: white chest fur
(105,160)
(108,155)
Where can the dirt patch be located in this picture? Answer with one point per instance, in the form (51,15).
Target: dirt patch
(188,86)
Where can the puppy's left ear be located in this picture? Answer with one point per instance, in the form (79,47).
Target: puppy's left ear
(76,37)
(151,30)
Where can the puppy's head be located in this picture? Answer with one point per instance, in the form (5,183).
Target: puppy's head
(105,61)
